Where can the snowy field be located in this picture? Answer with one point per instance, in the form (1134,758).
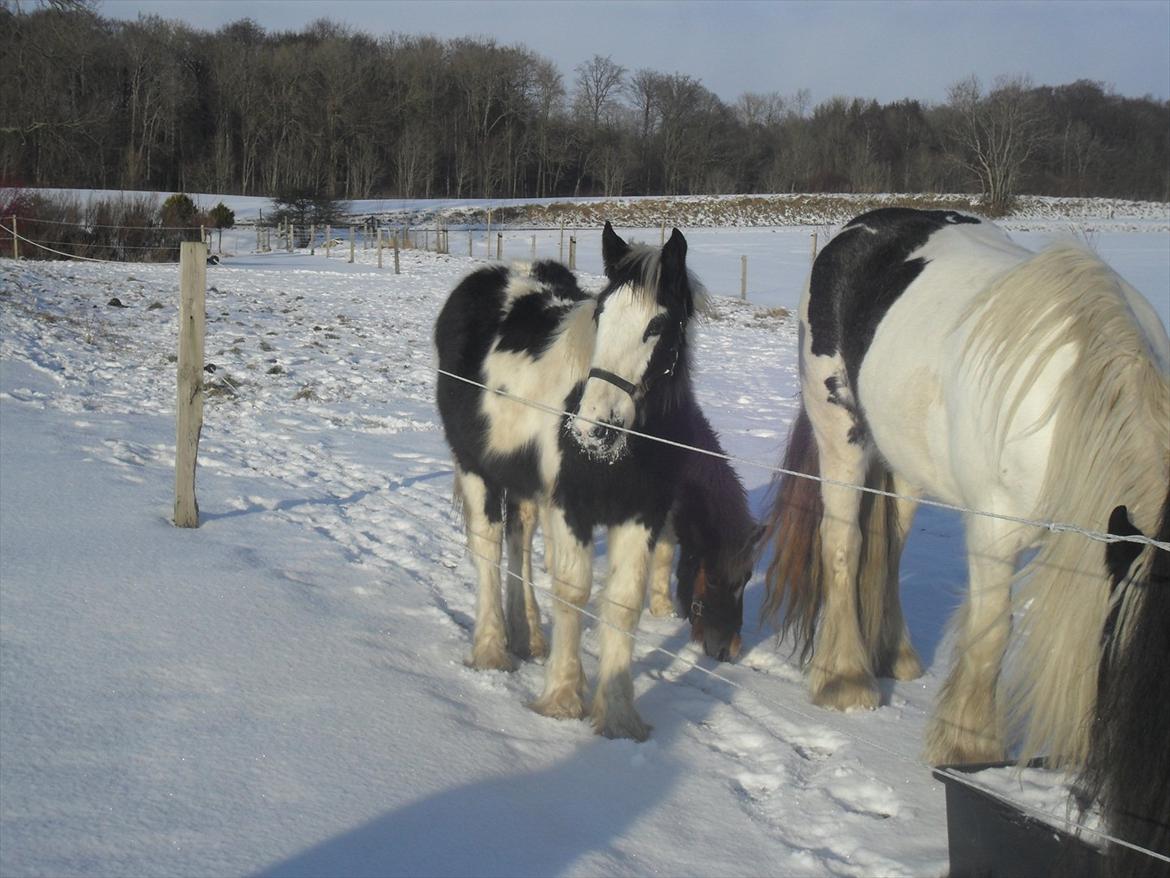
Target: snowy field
(281,691)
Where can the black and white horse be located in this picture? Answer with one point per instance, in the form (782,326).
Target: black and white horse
(617,361)
(937,357)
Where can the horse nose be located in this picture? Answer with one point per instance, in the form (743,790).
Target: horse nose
(604,436)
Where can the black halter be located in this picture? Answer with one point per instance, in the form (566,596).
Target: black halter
(616,380)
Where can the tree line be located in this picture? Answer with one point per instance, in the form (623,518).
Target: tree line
(327,111)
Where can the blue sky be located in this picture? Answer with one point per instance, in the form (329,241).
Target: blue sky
(873,48)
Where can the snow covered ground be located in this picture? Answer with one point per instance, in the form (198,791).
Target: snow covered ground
(281,691)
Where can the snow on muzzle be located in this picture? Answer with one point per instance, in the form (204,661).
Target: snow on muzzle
(607,402)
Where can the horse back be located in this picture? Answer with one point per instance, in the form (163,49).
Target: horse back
(499,328)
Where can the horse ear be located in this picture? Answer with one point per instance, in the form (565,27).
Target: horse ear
(674,268)
(1119,556)
(675,250)
(613,250)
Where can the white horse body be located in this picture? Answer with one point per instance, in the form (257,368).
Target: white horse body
(1017,385)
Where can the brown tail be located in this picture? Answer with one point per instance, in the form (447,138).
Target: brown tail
(878,602)
(793,581)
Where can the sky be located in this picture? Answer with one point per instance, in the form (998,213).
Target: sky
(882,50)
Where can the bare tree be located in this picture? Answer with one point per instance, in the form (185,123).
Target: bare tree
(995,134)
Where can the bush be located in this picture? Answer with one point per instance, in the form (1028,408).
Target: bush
(121,229)
(221,216)
(303,208)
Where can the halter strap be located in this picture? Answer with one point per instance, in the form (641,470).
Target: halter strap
(616,380)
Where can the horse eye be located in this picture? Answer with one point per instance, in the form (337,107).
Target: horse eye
(655,327)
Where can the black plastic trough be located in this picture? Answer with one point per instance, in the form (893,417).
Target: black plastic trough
(991,838)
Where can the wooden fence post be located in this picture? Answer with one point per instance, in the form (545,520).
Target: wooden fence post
(499,245)
(662,236)
(487,235)
(15,240)
(534,248)
(572,252)
(379,246)
(743,278)
(352,240)
(189,410)
(396,271)
(328,240)
(561,257)
(313,239)
(813,255)
(470,243)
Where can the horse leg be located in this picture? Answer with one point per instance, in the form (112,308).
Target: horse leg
(967,725)
(525,637)
(482,512)
(613,703)
(841,675)
(571,564)
(660,570)
(896,656)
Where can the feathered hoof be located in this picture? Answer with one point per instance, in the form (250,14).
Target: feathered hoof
(947,744)
(491,657)
(564,703)
(851,692)
(624,723)
(661,606)
(907,665)
(537,646)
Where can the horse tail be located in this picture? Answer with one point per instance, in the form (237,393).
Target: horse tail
(1128,760)
(877,571)
(794,580)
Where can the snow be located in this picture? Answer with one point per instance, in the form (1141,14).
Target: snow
(282,691)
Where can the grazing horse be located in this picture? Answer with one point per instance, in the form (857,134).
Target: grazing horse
(615,362)
(715,534)
(937,357)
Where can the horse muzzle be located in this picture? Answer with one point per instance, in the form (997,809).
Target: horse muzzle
(721,644)
(600,440)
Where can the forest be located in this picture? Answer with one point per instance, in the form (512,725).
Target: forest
(329,111)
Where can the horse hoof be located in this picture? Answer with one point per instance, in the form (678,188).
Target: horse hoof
(490,660)
(628,726)
(948,745)
(559,705)
(661,607)
(907,666)
(537,647)
(847,693)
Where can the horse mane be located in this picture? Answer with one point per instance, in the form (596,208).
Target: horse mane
(641,267)
(712,497)
(1110,419)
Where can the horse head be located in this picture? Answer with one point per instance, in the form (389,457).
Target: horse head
(639,349)
(710,590)
(712,598)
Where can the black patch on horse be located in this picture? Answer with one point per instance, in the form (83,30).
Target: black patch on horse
(531,325)
(638,486)
(862,272)
(561,282)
